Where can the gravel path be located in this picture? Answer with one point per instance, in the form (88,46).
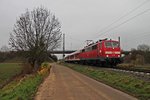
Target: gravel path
(66,84)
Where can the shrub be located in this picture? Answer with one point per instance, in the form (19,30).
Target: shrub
(126,65)
(45,68)
(27,68)
(139,60)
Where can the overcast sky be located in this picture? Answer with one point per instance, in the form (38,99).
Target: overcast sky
(82,20)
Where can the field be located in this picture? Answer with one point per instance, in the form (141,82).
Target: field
(23,88)
(123,82)
(8,71)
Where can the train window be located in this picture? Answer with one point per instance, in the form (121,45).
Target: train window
(115,44)
(83,50)
(111,44)
(100,45)
(94,47)
(88,49)
(108,44)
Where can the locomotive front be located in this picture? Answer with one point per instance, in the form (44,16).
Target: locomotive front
(112,52)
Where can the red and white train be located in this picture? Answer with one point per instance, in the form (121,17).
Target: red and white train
(99,53)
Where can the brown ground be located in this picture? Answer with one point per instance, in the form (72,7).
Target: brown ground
(66,84)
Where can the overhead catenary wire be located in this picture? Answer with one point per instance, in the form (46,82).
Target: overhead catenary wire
(128,13)
(105,30)
(140,36)
(141,13)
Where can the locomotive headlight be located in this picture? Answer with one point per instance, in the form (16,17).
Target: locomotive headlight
(107,56)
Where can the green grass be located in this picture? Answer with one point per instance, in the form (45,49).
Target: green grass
(127,83)
(23,90)
(8,70)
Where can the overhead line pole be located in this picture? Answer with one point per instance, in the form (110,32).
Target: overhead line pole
(63,46)
(119,40)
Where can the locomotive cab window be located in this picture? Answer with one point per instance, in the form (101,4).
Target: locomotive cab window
(111,44)
(108,45)
(115,44)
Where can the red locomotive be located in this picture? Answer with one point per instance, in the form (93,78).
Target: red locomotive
(99,53)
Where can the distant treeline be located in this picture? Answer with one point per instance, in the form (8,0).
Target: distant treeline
(9,55)
(141,55)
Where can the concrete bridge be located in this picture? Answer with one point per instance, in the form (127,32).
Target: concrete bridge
(61,51)
(71,51)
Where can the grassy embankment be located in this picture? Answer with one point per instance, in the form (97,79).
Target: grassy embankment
(8,71)
(26,87)
(124,82)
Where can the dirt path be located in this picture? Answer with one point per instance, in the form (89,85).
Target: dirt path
(66,84)
(46,90)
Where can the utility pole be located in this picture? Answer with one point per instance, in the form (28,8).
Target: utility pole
(119,40)
(63,46)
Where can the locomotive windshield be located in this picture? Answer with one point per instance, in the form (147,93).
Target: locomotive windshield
(111,44)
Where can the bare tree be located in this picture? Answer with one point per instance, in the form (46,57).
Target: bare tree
(36,32)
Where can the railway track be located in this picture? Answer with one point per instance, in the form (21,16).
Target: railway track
(143,74)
